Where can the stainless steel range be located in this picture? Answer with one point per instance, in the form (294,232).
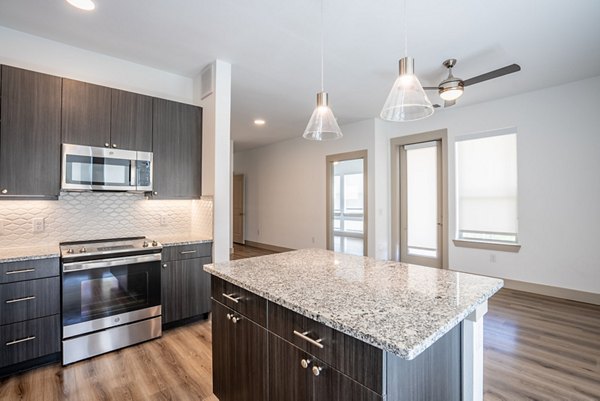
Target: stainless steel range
(110,295)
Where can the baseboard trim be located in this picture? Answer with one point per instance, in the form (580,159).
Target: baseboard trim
(268,247)
(557,292)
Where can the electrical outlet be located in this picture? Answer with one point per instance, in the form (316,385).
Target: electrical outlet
(38,224)
(492,258)
(163,220)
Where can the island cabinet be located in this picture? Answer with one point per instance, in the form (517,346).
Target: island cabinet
(177,144)
(29,134)
(29,314)
(185,285)
(264,351)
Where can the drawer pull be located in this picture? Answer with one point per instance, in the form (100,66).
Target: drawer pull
(305,363)
(19,271)
(233,318)
(187,252)
(232,297)
(12,301)
(304,336)
(22,340)
(316,370)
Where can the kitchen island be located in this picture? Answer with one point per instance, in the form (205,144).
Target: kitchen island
(317,325)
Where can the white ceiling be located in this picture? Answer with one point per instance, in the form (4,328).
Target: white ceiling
(273,46)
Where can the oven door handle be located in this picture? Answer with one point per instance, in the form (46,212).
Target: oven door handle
(103,263)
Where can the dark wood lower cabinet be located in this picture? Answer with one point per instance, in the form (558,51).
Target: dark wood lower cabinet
(264,362)
(29,339)
(239,357)
(185,289)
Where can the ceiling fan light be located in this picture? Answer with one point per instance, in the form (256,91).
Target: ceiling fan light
(322,125)
(449,94)
(407,101)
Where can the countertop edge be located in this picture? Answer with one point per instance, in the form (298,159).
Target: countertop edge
(25,258)
(381,343)
(185,242)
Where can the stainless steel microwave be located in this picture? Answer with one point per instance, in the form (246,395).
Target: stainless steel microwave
(88,168)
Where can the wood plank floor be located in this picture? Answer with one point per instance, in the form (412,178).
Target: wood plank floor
(536,348)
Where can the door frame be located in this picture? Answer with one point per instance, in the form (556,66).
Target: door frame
(396,149)
(358,154)
(243,216)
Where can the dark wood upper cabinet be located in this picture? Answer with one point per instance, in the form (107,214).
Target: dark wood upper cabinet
(177,146)
(85,113)
(29,134)
(131,121)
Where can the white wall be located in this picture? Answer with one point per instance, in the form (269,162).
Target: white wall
(38,54)
(559,185)
(285,187)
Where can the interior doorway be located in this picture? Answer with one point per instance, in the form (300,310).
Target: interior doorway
(419,199)
(237,219)
(347,202)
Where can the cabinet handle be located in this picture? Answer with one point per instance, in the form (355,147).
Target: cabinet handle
(305,363)
(155,193)
(114,145)
(187,252)
(22,340)
(12,301)
(19,271)
(106,144)
(4,191)
(165,265)
(232,297)
(310,340)
(233,318)
(316,370)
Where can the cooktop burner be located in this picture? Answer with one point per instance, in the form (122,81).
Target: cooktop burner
(108,247)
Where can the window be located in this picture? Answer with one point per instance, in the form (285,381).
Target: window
(486,187)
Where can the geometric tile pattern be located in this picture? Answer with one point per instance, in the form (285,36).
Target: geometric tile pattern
(95,215)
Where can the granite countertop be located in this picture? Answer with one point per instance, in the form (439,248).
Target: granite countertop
(28,253)
(187,239)
(397,307)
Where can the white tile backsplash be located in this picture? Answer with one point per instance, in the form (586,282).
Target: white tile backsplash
(95,215)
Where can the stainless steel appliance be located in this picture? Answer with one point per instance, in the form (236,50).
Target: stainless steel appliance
(88,168)
(111,293)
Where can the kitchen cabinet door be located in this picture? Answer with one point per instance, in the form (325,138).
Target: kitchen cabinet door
(331,385)
(85,113)
(185,289)
(288,380)
(177,147)
(239,356)
(30,134)
(223,353)
(131,121)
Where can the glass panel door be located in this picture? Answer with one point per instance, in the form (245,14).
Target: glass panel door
(347,204)
(421,204)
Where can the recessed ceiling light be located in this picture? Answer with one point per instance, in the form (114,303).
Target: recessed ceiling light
(87,5)
(259,121)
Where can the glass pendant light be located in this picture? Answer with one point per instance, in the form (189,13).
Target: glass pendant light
(322,125)
(407,100)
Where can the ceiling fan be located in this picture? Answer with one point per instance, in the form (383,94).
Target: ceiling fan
(452,87)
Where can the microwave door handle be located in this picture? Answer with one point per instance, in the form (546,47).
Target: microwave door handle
(133,174)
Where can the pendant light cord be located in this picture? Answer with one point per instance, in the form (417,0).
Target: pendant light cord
(404,22)
(322,52)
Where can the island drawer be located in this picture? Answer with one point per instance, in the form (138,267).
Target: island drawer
(28,340)
(29,299)
(28,270)
(190,251)
(357,359)
(240,300)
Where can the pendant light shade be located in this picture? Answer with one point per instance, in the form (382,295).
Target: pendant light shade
(322,125)
(407,100)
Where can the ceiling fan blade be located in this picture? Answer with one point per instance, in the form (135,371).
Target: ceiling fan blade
(430,88)
(509,69)
(449,103)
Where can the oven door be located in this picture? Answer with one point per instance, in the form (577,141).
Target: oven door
(104,293)
(91,168)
